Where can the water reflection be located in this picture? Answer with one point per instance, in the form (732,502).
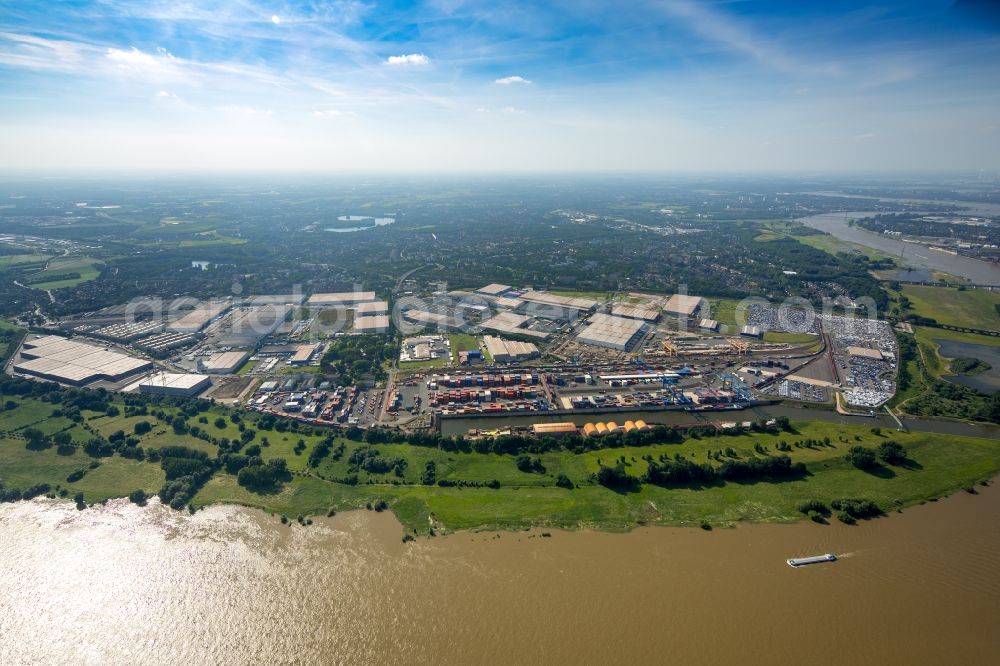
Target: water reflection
(120,584)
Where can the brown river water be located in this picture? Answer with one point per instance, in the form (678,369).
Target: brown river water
(124,585)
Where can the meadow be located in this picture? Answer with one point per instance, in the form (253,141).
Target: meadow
(937,465)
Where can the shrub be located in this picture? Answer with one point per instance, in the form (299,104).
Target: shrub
(813,505)
(862,458)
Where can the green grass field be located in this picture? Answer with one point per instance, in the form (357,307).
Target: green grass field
(62,273)
(971,308)
(461,342)
(418,365)
(599,296)
(723,310)
(833,245)
(943,464)
(9,260)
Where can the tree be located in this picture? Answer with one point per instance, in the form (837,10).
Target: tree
(36,438)
(862,458)
(179,424)
(563,481)
(891,452)
(138,497)
(142,427)
(615,477)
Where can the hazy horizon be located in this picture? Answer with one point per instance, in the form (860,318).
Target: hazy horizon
(454,86)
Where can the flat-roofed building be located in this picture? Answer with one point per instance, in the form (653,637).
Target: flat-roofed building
(127,331)
(371,324)
(553,429)
(611,332)
(203,315)
(709,325)
(432,319)
(76,363)
(752,332)
(275,299)
(247,326)
(175,384)
(303,355)
(512,324)
(223,363)
(494,289)
(635,312)
(553,300)
(371,309)
(684,305)
(163,342)
(509,351)
(341,298)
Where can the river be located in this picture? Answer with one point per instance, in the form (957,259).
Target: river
(914,254)
(461,426)
(127,585)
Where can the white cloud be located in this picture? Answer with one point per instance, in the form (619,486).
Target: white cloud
(333,113)
(247,110)
(163,94)
(409,59)
(137,59)
(511,110)
(275,19)
(510,80)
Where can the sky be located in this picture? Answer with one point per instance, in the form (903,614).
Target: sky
(483,86)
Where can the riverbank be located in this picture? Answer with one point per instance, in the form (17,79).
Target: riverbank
(913,255)
(458,496)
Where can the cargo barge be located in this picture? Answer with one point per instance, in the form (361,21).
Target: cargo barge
(815,559)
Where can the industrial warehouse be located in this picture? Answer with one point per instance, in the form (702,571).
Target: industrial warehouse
(612,332)
(683,305)
(341,298)
(174,384)
(508,351)
(200,317)
(75,363)
(378,323)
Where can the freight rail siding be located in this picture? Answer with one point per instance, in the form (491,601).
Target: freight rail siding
(610,410)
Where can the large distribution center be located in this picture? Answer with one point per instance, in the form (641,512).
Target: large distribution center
(175,384)
(494,289)
(635,312)
(128,331)
(200,317)
(223,363)
(371,324)
(371,309)
(341,298)
(245,327)
(512,323)
(680,304)
(612,332)
(430,319)
(552,300)
(70,362)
